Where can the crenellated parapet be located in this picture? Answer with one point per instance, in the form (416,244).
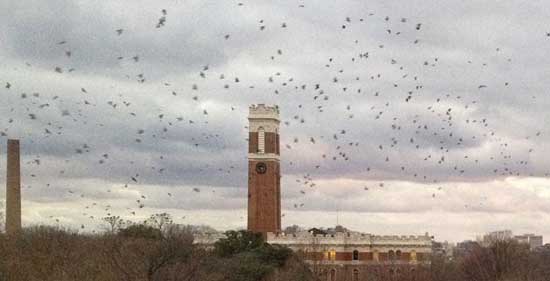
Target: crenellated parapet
(347,237)
(343,240)
(263,116)
(262,110)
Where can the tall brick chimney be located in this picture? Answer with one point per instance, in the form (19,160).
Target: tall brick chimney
(13,189)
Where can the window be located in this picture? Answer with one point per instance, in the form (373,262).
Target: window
(391,255)
(333,275)
(325,255)
(355,276)
(261,140)
(355,255)
(398,255)
(332,255)
(375,255)
(413,256)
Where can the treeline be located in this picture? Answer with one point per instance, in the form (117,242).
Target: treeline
(157,250)
(151,251)
(503,260)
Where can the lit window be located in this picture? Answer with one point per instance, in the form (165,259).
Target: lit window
(325,255)
(332,255)
(261,140)
(413,256)
(375,255)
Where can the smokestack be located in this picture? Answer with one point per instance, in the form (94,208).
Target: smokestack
(13,189)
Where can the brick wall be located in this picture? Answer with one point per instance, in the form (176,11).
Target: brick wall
(264,211)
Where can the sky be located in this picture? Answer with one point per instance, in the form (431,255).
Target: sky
(396,117)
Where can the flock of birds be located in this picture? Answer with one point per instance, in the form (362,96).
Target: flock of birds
(429,131)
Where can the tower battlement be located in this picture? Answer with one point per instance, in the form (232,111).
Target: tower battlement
(348,238)
(262,111)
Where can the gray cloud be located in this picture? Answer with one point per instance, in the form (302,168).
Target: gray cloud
(422,103)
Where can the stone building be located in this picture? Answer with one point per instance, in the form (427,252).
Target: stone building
(534,241)
(358,256)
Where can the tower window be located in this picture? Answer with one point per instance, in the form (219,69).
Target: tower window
(261,140)
(355,255)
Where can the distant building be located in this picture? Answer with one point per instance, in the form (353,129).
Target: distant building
(534,241)
(494,236)
(465,247)
(443,249)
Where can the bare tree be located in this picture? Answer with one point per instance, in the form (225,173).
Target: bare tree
(160,221)
(314,254)
(114,223)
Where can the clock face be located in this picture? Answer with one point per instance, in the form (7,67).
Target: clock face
(261,168)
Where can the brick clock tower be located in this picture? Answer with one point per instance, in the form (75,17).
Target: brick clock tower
(264,174)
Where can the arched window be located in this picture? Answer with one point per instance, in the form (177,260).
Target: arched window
(375,256)
(333,274)
(261,140)
(325,255)
(355,276)
(355,255)
(398,255)
(391,255)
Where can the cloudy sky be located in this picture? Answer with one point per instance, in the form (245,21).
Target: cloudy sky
(397,118)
